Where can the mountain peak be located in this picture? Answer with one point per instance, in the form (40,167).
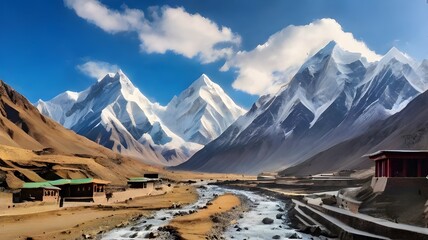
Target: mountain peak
(203,111)
(339,54)
(396,54)
(329,48)
(120,74)
(202,81)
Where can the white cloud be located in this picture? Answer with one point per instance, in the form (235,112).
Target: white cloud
(109,20)
(268,66)
(97,69)
(169,29)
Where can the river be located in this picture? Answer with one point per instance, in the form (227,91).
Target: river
(250,225)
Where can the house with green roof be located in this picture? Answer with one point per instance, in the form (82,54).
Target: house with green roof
(39,191)
(142,182)
(83,189)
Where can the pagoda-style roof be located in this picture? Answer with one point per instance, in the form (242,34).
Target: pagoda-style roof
(382,154)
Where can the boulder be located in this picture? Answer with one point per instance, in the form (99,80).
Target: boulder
(267,221)
(276,237)
(215,219)
(293,236)
(279,216)
(152,235)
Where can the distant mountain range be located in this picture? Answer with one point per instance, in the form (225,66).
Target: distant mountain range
(332,100)
(115,114)
(22,126)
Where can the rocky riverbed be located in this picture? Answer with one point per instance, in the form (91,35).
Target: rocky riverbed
(258,217)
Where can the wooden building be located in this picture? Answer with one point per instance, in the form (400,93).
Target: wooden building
(400,163)
(142,182)
(84,189)
(38,191)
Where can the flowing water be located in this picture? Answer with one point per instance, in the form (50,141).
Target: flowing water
(250,226)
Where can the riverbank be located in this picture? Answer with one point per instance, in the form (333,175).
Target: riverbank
(257,216)
(200,225)
(78,222)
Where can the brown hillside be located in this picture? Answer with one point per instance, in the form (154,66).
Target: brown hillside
(34,147)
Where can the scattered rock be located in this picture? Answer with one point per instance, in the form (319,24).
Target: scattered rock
(136,229)
(147,227)
(152,235)
(215,219)
(267,221)
(87,236)
(134,235)
(276,237)
(281,209)
(279,216)
(293,236)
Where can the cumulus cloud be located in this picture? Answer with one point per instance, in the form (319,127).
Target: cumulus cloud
(97,69)
(264,69)
(168,29)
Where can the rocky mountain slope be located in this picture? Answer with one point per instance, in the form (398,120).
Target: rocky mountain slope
(201,112)
(33,147)
(115,114)
(334,96)
(406,130)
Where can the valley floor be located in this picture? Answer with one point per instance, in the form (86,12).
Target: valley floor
(76,222)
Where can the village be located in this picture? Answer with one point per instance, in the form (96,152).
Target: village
(345,205)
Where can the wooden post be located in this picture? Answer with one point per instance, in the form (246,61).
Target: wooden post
(388,168)
(385,169)
(405,174)
(419,167)
(376,169)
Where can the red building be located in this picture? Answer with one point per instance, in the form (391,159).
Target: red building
(400,163)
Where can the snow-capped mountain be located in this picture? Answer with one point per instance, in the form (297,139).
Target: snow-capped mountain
(201,112)
(334,96)
(114,113)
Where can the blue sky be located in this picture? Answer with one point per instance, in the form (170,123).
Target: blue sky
(42,43)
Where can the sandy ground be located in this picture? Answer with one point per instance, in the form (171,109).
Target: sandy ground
(199,224)
(71,223)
